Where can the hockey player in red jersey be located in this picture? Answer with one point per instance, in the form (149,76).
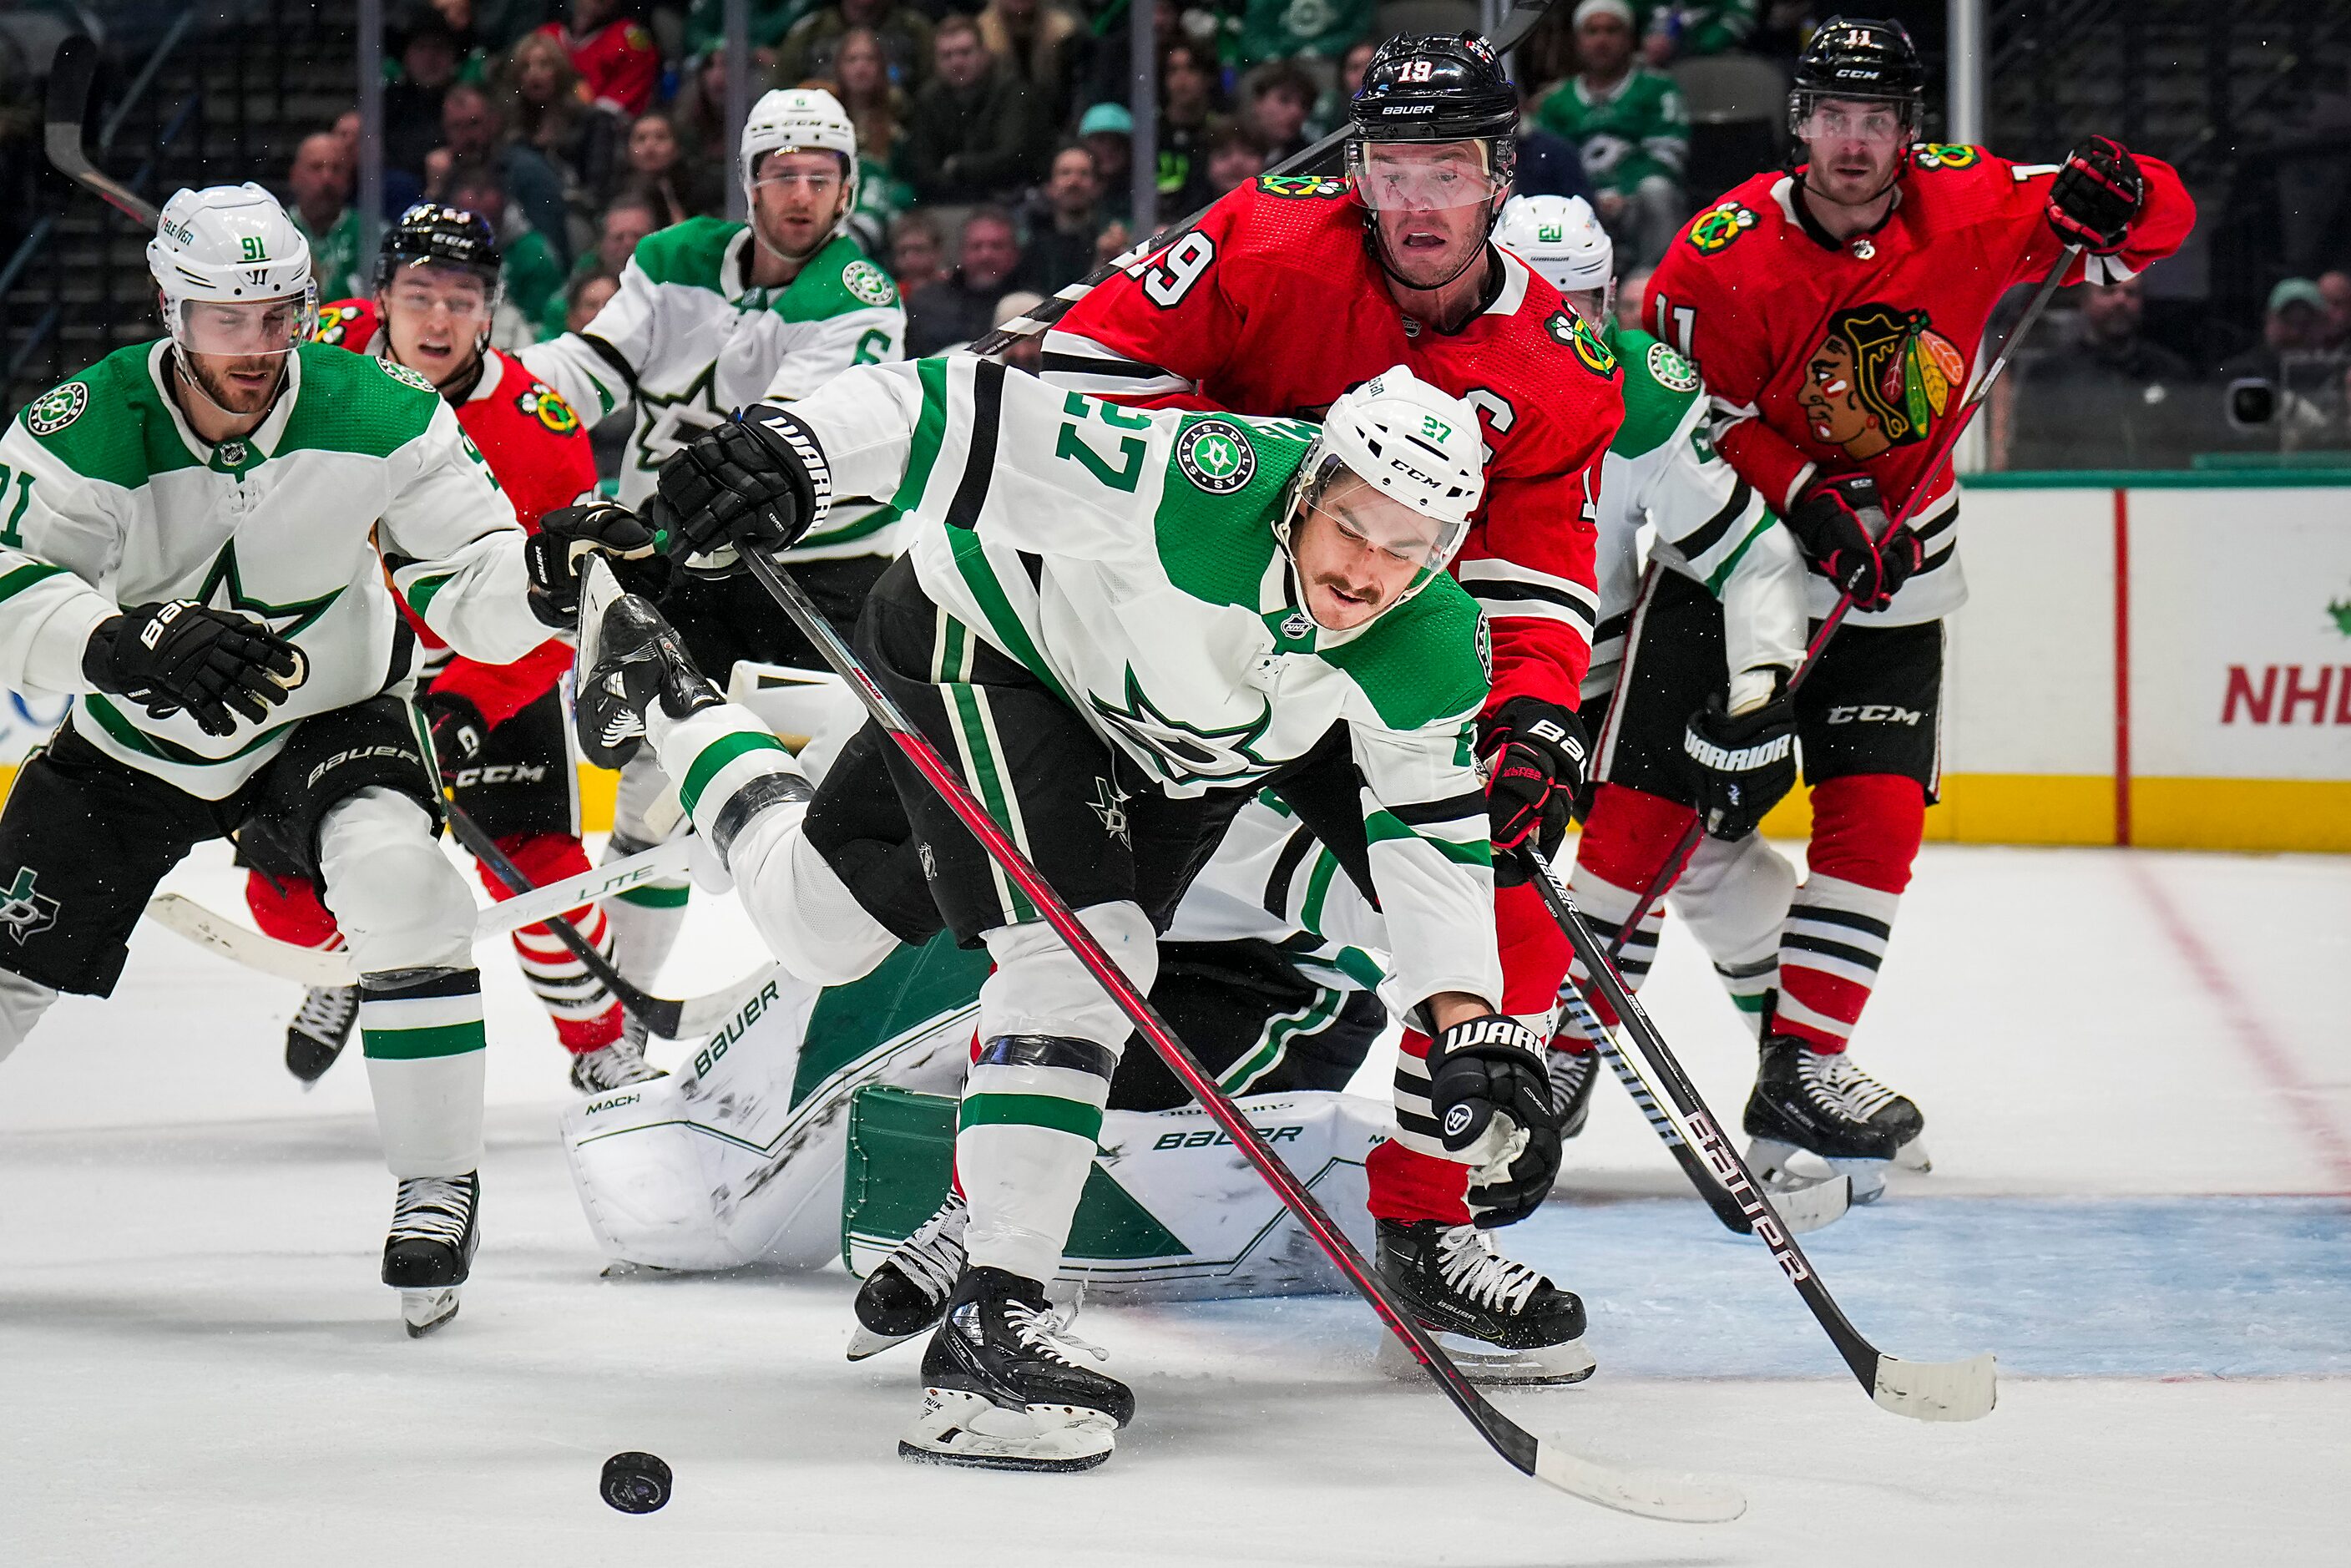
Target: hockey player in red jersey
(1290,290)
(1835,311)
(499,729)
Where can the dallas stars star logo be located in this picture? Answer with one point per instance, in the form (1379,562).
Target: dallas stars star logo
(670,422)
(1184,753)
(1110,805)
(223,588)
(25,912)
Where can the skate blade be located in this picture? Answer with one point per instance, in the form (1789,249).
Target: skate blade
(864,1342)
(1770,1159)
(1483,1361)
(424,1310)
(1913,1157)
(961,1429)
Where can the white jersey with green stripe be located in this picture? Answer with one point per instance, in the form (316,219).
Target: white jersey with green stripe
(688,340)
(1704,521)
(360,484)
(1129,560)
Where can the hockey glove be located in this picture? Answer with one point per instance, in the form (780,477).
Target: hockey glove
(459,733)
(568,535)
(1744,761)
(1491,1098)
(2096,195)
(758,482)
(182,655)
(1534,753)
(1842,527)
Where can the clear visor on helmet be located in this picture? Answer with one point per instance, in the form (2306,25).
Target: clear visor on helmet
(422,287)
(1371,520)
(1818,121)
(814,172)
(1597,307)
(1422,176)
(243,329)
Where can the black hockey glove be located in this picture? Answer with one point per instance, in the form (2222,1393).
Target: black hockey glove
(1743,762)
(1534,753)
(459,732)
(758,482)
(1841,524)
(1490,1096)
(2097,196)
(218,666)
(557,553)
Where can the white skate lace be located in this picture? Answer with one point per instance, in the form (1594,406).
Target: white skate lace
(1836,1085)
(327,1011)
(1046,1330)
(1471,1268)
(431,1209)
(932,1255)
(616,1065)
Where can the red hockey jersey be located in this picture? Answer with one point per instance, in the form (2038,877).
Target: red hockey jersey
(1274,306)
(619,63)
(1826,359)
(538,452)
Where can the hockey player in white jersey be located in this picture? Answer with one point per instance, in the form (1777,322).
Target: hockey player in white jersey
(1121,625)
(711,316)
(207,536)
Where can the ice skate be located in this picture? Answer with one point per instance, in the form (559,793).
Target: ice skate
(320,1030)
(1000,1390)
(430,1250)
(1572,1073)
(615,1066)
(1501,1321)
(630,658)
(907,1292)
(1819,1102)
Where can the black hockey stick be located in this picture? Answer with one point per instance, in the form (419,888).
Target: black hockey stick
(1948,442)
(1924,1390)
(1515,27)
(71,71)
(662,1016)
(1649,1493)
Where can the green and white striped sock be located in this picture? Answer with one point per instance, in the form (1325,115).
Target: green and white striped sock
(420,1031)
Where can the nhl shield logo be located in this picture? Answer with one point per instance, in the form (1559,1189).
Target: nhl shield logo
(1216,456)
(25,912)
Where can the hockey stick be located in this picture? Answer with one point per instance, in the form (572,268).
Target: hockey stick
(71,71)
(1924,1390)
(1947,441)
(1515,27)
(1803,1208)
(1651,1494)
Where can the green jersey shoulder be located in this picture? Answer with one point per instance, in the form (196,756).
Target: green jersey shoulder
(1660,385)
(837,280)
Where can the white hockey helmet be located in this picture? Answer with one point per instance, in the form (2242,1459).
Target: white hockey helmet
(1410,440)
(232,245)
(1562,239)
(799,119)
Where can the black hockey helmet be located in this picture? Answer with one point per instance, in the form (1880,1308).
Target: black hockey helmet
(431,234)
(1436,88)
(1864,58)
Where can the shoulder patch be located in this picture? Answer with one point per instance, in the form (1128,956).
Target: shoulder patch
(335,324)
(1217,457)
(1712,231)
(1304,187)
(1670,371)
(1570,331)
(545,404)
(868,282)
(53,410)
(1945,155)
(401,374)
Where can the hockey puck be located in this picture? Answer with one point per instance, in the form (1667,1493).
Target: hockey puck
(636,1483)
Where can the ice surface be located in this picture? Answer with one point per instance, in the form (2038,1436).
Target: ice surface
(2139,1099)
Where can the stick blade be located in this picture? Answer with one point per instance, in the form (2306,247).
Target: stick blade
(243,944)
(1814,1205)
(707,1014)
(1937,1390)
(598,589)
(1650,1494)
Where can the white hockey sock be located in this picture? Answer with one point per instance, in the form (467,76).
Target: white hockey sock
(420,1030)
(22,1003)
(1733,898)
(645,919)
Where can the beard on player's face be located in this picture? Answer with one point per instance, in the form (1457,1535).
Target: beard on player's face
(1850,172)
(239,383)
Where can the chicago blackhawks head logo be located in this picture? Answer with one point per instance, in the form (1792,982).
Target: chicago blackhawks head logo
(1879,380)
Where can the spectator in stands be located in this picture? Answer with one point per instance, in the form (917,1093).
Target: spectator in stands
(656,171)
(705,29)
(918,252)
(473,138)
(875,105)
(1040,45)
(1280,97)
(624,225)
(1187,103)
(1331,111)
(1630,128)
(1696,28)
(491,26)
(614,53)
(811,47)
(1236,157)
(427,53)
(2334,288)
(1549,166)
(320,185)
(698,115)
(1064,221)
(1026,353)
(1110,80)
(2098,394)
(403,188)
(963,306)
(1108,131)
(533,273)
(1284,29)
(581,142)
(587,294)
(973,133)
(2295,326)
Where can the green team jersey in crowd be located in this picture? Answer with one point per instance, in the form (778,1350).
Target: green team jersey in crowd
(686,342)
(1129,561)
(1277,29)
(1707,523)
(335,259)
(1707,27)
(359,473)
(1637,131)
